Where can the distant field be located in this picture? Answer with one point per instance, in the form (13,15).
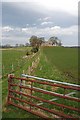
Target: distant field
(59,63)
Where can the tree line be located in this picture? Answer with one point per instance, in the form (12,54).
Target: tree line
(36,42)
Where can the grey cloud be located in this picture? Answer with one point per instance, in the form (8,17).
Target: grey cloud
(26,32)
(20,16)
(14,15)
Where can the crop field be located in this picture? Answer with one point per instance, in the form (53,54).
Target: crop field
(57,63)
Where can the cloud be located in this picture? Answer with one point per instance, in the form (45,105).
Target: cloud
(21,20)
(34,24)
(7,29)
(13,40)
(46,23)
(24,29)
(16,34)
(27,24)
(44,19)
(21,14)
(56,30)
(69,6)
(55,27)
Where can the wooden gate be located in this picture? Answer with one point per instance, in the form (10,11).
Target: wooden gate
(43,97)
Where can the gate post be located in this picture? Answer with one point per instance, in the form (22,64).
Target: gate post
(9,86)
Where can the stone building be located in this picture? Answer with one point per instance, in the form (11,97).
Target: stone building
(52,43)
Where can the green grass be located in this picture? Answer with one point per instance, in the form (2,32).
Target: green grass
(15,57)
(59,63)
(14,112)
(55,63)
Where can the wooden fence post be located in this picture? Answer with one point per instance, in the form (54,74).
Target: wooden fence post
(3,69)
(12,67)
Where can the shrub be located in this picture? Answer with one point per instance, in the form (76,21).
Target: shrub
(28,53)
(34,49)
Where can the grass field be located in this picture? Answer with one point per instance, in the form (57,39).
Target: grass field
(59,63)
(16,57)
(55,63)
(13,59)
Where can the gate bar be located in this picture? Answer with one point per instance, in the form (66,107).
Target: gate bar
(48,92)
(46,109)
(48,80)
(48,101)
(28,110)
(51,84)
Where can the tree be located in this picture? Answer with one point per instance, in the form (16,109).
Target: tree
(34,49)
(41,40)
(55,41)
(27,44)
(16,45)
(36,42)
(33,41)
(59,43)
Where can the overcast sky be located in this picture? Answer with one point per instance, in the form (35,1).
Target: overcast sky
(44,18)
